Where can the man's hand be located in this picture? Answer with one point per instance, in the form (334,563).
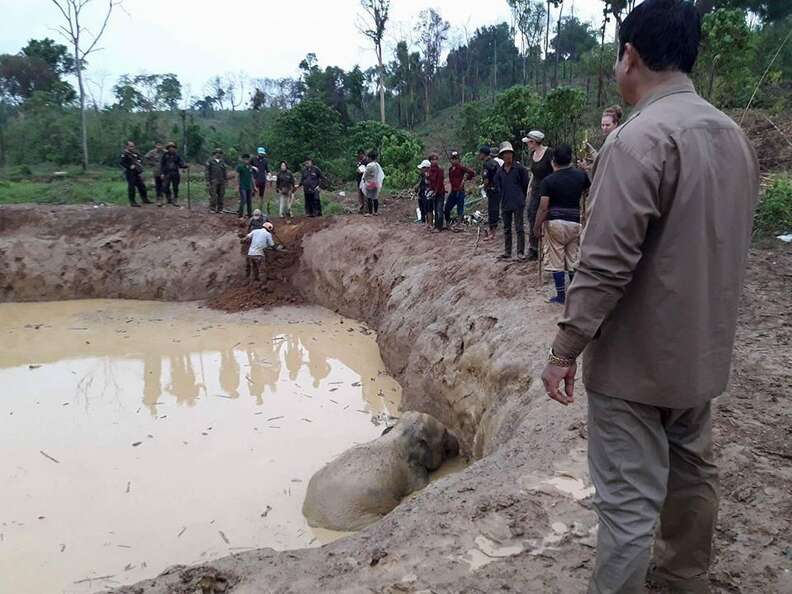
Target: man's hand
(553,375)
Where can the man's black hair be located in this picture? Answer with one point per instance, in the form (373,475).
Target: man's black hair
(372,155)
(361,152)
(562,155)
(666,34)
(486,150)
(246,156)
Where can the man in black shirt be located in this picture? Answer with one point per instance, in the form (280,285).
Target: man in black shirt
(511,183)
(558,218)
(310,178)
(493,199)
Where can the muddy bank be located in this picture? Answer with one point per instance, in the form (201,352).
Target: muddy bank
(465,337)
(80,252)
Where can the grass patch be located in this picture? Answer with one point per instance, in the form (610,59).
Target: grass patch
(774,211)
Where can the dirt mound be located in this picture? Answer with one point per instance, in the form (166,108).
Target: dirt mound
(771,136)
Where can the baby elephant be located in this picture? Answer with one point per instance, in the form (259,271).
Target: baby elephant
(366,482)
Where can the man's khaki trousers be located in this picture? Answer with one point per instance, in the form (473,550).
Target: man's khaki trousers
(649,463)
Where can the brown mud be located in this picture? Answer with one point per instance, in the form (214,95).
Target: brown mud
(466,338)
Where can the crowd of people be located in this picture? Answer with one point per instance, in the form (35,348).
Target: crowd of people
(550,191)
(252,173)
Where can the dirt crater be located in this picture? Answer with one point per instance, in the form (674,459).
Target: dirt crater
(465,337)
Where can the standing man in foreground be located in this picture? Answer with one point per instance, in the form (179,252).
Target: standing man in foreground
(654,303)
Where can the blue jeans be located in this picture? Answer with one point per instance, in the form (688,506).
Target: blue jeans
(457,199)
(245,200)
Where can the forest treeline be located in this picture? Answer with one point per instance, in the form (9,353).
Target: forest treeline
(542,68)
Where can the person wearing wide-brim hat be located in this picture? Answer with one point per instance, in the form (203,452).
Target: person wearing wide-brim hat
(216,180)
(171,165)
(540,165)
(511,183)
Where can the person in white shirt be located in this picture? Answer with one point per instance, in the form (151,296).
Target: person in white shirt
(260,240)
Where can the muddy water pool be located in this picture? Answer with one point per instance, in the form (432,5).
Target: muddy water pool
(139,435)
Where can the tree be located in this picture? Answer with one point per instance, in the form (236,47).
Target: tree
(768,10)
(73,31)
(169,92)
(574,39)
(726,39)
(309,130)
(372,25)
(432,33)
(55,55)
(528,17)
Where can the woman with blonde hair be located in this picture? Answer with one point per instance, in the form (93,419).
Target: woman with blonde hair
(611,119)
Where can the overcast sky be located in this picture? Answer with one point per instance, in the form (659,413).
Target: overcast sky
(197,39)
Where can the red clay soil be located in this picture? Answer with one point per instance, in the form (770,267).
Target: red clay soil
(276,287)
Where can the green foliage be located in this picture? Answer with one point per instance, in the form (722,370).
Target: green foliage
(774,212)
(562,108)
(311,129)
(723,69)
(400,155)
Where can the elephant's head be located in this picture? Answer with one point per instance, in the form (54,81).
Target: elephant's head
(427,441)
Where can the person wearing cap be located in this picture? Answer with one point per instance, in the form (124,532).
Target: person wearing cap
(260,239)
(490,170)
(311,178)
(653,309)
(152,159)
(216,180)
(171,165)
(362,161)
(541,165)
(511,183)
(457,175)
(423,191)
(261,164)
(437,186)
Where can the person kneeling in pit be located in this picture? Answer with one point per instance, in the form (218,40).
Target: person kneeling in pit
(260,240)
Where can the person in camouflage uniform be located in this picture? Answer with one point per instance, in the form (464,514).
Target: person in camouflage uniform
(152,161)
(217,180)
(132,163)
(170,165)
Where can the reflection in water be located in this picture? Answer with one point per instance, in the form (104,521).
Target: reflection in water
(169,424)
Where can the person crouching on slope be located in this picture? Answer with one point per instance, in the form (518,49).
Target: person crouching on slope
(260,240)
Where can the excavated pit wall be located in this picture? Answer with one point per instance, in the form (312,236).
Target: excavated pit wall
(464,336)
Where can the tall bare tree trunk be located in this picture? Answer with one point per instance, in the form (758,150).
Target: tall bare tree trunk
(558,35)
(381,70)
(601,73)
(83,123)
(546,48)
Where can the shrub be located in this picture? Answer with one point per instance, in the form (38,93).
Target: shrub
(401,154)
(774,211)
